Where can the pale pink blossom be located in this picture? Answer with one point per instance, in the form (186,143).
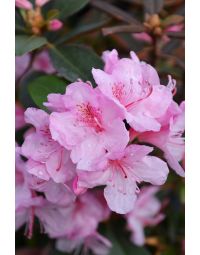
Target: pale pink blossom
(170,138)
(26,199)
(43,63)
(46,158)
(21,64)
(96,243)
(122,171)
(55,24)
(135,88)
(76,221)
(146,212)
(41,2)
(89,121)
(19,116)
(24,4)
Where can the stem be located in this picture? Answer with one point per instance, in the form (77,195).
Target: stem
(154,51)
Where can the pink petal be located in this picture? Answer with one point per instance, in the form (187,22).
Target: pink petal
(151,169)
(136,227)
(38,118)
(119,201)
(110,58)
(37,169)
(60,167)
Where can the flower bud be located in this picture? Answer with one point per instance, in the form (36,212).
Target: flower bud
(55,24)
(24,4)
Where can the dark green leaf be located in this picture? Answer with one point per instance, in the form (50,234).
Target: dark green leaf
(24,43)
(69,7)
(44,85)
(23,95)
(123,246)
(114,11)
(82,29)
(75,62)
(19,22)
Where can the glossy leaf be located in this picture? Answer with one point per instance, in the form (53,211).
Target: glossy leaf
(75,62)
(23,93)
(25,44)
(44,85)
(114,11)
(82,29)
(69,7)
(123,246)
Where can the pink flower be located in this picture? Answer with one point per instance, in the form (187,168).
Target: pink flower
(46,158)
(145,213)
(41,2)
(43,63)
(135,88)
(26,199)
(76,221)
(98,244)
(21,64)
(89,121)
(24,4)
(122,171)
(57,193)
(19,117)
(169,138)
(55,24)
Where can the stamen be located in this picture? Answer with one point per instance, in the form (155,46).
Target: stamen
(60,161)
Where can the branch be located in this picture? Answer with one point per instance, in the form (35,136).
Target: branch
(123,29)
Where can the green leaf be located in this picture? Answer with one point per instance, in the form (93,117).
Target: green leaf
(82,29)
(44,85)
(24,43)
(75,62)
(20,26)
(23,95)
(69,7)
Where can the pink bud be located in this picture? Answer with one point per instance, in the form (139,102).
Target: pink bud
(24,4)
(41,2)
(55,24)
(143,37)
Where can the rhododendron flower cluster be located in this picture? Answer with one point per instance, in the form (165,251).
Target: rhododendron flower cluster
(102,136)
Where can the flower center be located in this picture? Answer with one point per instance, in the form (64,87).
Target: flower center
(90,116)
